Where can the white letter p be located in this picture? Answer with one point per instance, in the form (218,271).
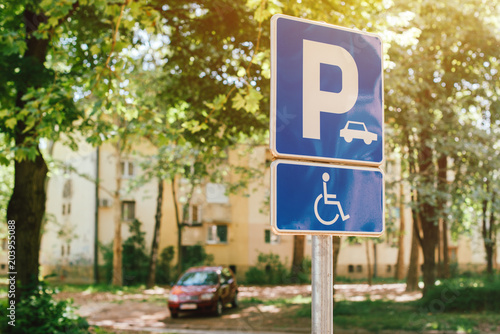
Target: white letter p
(314,99)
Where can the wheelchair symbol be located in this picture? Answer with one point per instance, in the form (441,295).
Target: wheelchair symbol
(327,198)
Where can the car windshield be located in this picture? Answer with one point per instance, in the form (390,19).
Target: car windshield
(356,126)
(198,278)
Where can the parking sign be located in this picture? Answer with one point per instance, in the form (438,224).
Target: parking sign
(326,93)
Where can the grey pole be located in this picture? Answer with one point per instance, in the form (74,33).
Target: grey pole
(322,285)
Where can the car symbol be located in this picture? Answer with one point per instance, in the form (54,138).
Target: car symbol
(357,130)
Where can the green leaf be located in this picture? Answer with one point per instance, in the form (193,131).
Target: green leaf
(11,123)
(4,160)
(238,102)
(53,21)
(252,100)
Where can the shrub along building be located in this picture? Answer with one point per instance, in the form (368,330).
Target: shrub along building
(233,229)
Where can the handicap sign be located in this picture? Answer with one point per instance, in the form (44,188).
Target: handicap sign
(326,93)
(319,198)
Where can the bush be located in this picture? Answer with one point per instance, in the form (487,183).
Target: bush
(196,255)
(135,260)
(107,267)
(463,295)
(269,270)
(39,313)
(164,266)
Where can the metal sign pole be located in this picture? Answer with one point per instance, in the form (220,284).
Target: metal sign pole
(322,285)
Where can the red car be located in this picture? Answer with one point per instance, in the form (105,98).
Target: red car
(203,289)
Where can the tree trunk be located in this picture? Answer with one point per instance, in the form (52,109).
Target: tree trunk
(179,228)
(375,262)
(489,230)
(117,240)
(440,250)
(368,262)
(442,188)
(26,209)
(413,267)
(429,242)
(156,237)
(446,256)
(298,257)
(427,210)
(336,243)
(400,264)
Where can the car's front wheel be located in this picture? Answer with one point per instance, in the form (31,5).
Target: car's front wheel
(218,308)
(234,302)
(174,315)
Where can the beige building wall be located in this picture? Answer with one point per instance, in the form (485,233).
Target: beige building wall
(67,246)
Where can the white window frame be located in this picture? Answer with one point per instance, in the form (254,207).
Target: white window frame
(212,235)
(125,168)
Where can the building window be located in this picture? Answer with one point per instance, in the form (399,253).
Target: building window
(217,234)
(389,268)
(3,266)
(64,209)
(350,268)
(127,169)
(271,238)
(233,268)
(4,244)
(359,268)
(67,189)
(194,215)
(128,210)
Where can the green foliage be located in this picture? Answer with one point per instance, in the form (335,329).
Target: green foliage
(107,267)
(164,274)
(269,270)
(464,295)
(135,258)
(378,315)
(304,276)
(195,256)
(40,313)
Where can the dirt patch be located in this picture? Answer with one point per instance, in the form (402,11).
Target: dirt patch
(148,309)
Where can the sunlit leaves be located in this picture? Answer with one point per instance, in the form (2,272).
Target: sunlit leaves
(247,100)
(439,90)
(264,9)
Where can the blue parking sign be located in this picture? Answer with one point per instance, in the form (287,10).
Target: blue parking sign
(319,198)
(326,93)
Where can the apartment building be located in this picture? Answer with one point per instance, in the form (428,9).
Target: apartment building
(234,228)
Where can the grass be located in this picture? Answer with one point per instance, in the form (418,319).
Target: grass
(389,315)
